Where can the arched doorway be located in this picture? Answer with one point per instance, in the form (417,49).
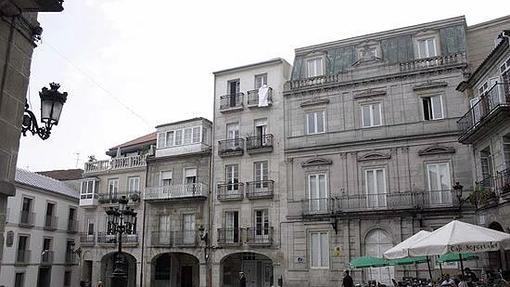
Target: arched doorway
(377,242)
(257,268)
(497,259)
(175,269)
(107,266)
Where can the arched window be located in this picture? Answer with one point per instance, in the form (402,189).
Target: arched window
(377,242)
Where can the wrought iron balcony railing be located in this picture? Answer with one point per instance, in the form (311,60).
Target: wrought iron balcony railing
(260,189)
(26,219)
(230,191)
(229,236)
(23,256)
(87,239)
(47,257)
(50,222)
(231,102)
(177,191)
(258,144)
(261,236)
(162,239)
(113,198)
(231,147)
(127,239)
(253,98)
(115,163)
(498,183)
(496,98)
(317,206)
(186,238)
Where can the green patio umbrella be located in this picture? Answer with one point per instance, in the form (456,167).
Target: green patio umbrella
(408,260)
(454,257)
(368,261)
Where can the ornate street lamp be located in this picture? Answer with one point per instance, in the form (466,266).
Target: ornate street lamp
(458,193)
(121,220)
(52,102)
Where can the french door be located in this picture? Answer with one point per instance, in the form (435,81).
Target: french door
(375,180)
(317,193)
(439,183)
(188,228)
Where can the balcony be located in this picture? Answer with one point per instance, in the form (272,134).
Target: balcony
(118,163)
(229,237)
(70,258)
(89,200)
(231,147)
(253,98)
(230,191)
(433,62)
(26,219)
(177,191)
(260,189)
(259,237)
(72,226)
(498,184)
(87,239)
(50,222)
(22,257)
(492,110)
(113,198)
(110,240)
(47,257)
(231,102)
(186,238)
(319,206)
(161,239)
(259,144)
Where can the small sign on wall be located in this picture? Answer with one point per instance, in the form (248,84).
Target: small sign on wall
(300,260)
(338,251)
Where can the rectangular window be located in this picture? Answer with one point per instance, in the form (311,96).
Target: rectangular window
(169,138)
(178,137)
(88,188)
(427,48)
(371,115)
(432,108)
(50,208)
(196,135)
(317,193)
(133,184)
(22,253)
(27,204)
(261,222)
(232,131)
(486,162)
(315,122)
(260,80)
(506,150)
(188,228)
(204,135)
(165,178)
(113,187)
(19,279)
(67,278)
(231,226)
(315,67)
(319,251)
(90,227)
(439,183)
(187,136)
(161,140)
(232,177)
(375,187)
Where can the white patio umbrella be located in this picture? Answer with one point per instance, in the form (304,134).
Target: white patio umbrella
(401,250)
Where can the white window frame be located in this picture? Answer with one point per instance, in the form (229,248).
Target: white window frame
(262,76)
(116,184)
(321,233)
(161,177)
(163,137)
(371,123)
(315,122)
(376,186)
(89,185)
(129,182)
(316,72)
(448,197)
(433,108)
(426,53)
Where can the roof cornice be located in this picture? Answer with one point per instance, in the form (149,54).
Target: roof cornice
(250,66)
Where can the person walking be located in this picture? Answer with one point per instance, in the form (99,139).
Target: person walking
(242,279)
(347,282)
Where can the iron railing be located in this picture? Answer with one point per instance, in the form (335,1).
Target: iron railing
(498,183)
(494,98)
(23,256)
(72,226)
(26,218)
(253,97)
(259,236)
(231,101)
(259,143)
(87,239)
(47,257)
(50,222)
(128,239)
(115,163)
(231,147)
(186,238)
(230,191)
(161,239)
(317,206)
(175,191)
(229,236)
(70,258)
(112,198)
(260,189)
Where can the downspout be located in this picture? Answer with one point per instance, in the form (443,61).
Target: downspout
(143,225)
(210,198)
(6,61)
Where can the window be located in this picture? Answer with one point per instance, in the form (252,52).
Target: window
(89,188)
(19,279)
(261,222)
(371,115)
(190,180)
(427,48)
(196,135)
(486,162)
(49,221)
(113,187)
(439,183)
(260,80)
(178,137)
(164,228)
(232,177)
(187,136)
(188,228)
(161,140)
(315,122)
(22,253)
(232,131)
(72,224)
(319,251)
(375,187)
(26,209)
(133,184)
(260,174)
(432,108)
(169,138)
(67,278)
(165,178)
(317,193)
(90,227)
(314,67)
(506,150)
(231,226)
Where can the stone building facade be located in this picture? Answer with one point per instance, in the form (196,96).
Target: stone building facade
(104,183)
(248,184)
(176,201)
(41,247)
(371,148)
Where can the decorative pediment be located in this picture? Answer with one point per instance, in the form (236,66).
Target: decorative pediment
(369,93)
(315,102)
(374,156)
(316,162)
(437,149)
(430,85)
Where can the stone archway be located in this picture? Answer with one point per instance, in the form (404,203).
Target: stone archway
(175,269)
(107,266)
(257,268)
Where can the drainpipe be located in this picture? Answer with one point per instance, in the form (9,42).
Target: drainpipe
(143,223)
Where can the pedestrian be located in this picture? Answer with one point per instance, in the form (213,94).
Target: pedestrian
(347,282)
(99,283)
(448,281)
(242,279)
(470,275)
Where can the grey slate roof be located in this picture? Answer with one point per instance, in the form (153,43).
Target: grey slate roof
(43,182)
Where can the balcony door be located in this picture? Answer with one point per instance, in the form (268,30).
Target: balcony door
(233,90)
(164,229)
(261,225)
(113,187)
(260,170)
(133,184)
(231,227)
(439,183)
(260,132)
(233,135)
(375,187)
(188,228)
(232,178)
(317,193)
(190,180)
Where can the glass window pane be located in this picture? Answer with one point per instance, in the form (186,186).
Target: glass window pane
(320,122)
(380,181)
(444,176)
(376,110)
(324,250)
(437,108)
(431,47)
(322,186)
(178,137)
(370,182)
(311,123)
(187,136)
(315,250)
(433,184)
(365,110)
(318,64)
(161,140)
(422,49)
(169,138)
(196,134)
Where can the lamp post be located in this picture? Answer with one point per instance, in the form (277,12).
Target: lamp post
(458,193)
(120,220)
(52,102)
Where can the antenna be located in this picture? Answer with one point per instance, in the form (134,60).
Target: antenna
(77,158)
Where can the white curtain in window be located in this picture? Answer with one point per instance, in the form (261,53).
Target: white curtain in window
(439,183)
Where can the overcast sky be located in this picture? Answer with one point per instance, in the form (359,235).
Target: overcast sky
(129,65)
